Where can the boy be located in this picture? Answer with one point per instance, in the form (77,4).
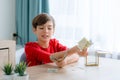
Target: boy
(46,49)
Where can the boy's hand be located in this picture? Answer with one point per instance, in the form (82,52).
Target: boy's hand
(83,52)
(84,43)
(61,63)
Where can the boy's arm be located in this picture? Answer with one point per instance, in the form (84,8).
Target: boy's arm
(68,60)
(82,46)
(71,59)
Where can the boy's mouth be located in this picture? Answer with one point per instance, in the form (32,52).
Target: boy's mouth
(45,36)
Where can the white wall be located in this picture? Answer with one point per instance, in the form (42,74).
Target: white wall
(7,19)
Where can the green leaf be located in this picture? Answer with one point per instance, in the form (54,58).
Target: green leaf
(8,69)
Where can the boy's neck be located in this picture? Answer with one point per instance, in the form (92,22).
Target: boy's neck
(44,44)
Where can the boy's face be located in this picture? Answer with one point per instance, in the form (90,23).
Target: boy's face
(44,32)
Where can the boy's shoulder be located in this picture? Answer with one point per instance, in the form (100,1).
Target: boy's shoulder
(31,44)
(53,40)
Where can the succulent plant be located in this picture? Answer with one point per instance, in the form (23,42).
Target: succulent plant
(20,68)
(16,69)
(8,69)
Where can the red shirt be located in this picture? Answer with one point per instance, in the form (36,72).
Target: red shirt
(37,55)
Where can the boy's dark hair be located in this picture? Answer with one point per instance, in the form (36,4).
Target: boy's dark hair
(42,19)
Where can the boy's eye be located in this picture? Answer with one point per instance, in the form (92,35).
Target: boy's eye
(49,28)
(40,28)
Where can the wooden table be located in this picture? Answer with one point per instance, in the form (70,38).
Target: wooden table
(108,69)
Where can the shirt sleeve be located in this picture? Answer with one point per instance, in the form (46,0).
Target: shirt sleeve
(59,46)
(36,54)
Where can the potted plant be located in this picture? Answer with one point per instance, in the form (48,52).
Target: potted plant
(21,70)
(7,69)
(16,70)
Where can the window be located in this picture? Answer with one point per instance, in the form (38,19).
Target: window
(98,20)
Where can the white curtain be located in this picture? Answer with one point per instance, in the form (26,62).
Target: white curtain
(97,20)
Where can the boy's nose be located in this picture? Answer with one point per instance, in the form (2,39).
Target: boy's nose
(45,30)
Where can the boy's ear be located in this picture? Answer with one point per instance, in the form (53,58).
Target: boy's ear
(33,29)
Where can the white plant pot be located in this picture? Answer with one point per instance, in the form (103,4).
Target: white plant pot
(25,77)
(8,77)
